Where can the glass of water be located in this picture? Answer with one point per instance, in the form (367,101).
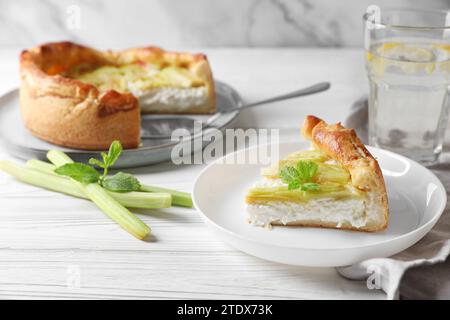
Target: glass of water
(408,65)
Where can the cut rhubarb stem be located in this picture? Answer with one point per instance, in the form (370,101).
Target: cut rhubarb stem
(104,201)
(179,198)
(63,184)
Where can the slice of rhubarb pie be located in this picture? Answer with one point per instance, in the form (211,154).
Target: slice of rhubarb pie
(336,184)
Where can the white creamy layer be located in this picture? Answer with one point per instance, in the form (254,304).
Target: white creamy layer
(352,211)
(172,99)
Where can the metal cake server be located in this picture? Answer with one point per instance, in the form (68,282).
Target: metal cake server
(162,126)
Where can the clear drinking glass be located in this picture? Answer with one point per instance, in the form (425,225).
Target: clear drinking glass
(408,64)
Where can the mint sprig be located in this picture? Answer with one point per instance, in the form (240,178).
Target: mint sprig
(120,182)
(300,176)
(109,159)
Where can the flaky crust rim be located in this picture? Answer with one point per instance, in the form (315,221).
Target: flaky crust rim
(343,145)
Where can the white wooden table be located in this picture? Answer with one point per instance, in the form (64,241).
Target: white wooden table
(54,246)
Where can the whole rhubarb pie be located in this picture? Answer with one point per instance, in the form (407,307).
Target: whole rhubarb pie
(79,97)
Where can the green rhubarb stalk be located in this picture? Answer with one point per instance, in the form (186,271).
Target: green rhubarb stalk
(143,200)
(104,201)
(179,198)
(40,179)
(43,166)
(40,171)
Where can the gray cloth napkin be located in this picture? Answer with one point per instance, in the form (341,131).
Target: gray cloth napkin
(420,272)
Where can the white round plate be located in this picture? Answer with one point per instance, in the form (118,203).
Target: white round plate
(416,201)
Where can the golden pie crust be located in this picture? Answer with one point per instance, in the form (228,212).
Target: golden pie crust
(343,145)
(74,114)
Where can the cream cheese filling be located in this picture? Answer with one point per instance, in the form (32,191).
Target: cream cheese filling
(354,212)
(339,212)
(172,99)
(171,89)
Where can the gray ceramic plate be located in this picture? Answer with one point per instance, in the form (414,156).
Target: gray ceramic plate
(20,143)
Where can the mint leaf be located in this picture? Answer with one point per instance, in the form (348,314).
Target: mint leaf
(294,185)
(104,157)
(96,162)
(307,170)
(309,186)
(300,176)
(121,182)
(289,174)
(79,171)
(115,150)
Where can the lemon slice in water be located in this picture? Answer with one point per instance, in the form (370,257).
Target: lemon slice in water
(410,58)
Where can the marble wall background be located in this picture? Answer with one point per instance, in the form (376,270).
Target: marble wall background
(190,23)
